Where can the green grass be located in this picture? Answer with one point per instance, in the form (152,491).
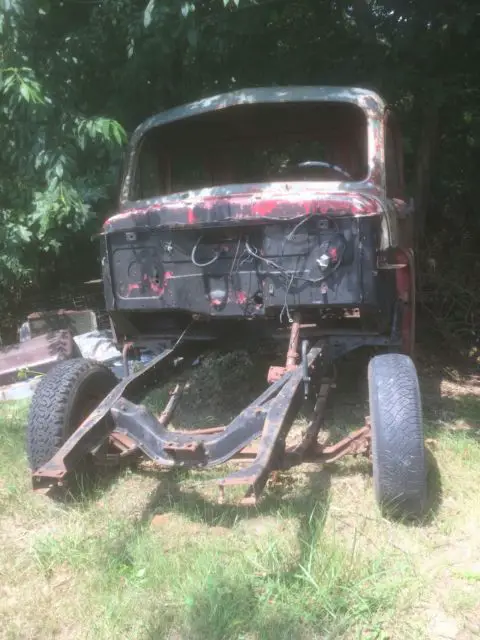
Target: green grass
(150,554)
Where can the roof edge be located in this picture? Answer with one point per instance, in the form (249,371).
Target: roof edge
(368,100)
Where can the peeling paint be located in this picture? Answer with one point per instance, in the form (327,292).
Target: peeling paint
(241,297)
(242,207)
(149,285)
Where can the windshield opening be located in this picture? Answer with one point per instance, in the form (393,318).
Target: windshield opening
(254,143)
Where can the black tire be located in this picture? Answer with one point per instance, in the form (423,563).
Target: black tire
(398,445)
(62,400)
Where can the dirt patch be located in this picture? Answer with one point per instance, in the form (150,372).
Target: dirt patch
(441,626)
(172,523)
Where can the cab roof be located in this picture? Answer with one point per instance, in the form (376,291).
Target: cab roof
(367,100)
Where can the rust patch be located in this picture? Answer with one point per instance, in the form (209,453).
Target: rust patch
(194,450)
(356,443)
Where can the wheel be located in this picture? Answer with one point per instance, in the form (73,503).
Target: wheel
(398,447)
(62,400)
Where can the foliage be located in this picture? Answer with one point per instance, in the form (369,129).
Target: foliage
(55,156)
(71,72)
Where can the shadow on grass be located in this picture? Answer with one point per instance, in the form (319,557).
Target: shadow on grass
(89,482)
(451,395)
(224,607)
(434,489)
(320,588)
(229,606)
(169,497)
(456,414)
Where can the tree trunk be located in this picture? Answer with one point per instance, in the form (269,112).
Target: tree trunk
(424,165)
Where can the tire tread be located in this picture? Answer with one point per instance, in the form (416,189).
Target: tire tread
(398,448)
(50,416)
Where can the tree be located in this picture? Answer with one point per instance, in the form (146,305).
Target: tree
(56,155)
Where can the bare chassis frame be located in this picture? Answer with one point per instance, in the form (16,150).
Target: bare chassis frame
(130,428)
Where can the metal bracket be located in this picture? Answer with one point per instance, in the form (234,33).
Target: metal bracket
(306,374)
(279,419)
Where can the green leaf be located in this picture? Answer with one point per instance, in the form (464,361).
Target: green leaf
(117,135)
(24,233)
(25,92)
(90,128)
(105,127)
(9,82)
(147,14)
(186,8)
(39,159)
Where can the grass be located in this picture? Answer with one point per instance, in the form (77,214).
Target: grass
(151,554)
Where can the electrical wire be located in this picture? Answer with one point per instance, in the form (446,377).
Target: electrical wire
(296,227)
(285,307)
(289,277)
(250,253)
(284,271)
(235,256)
(205,264)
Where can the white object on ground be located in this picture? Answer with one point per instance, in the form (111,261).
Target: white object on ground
(98,345)
(19,390)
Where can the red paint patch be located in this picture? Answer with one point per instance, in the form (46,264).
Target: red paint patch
(257,205)
(153,285)
(156,288)
(160,289)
